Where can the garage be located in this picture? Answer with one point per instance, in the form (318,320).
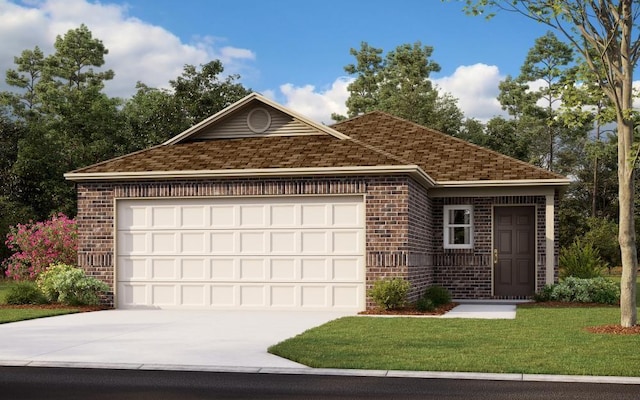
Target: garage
(286,253)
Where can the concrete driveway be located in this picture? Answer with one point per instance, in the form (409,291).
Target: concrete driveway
(157,337)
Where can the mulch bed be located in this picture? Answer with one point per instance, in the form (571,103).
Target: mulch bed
(614,330)
(409,310)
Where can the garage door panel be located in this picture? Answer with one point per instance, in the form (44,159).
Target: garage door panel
(283,242)
(223,216)
(346,242)
(254,253)
(132,268)
(163,242)
(347,269)
(283,215)
(252,242)
(283,269)
(193,217)
(164,217)
(194,269)
(314,269)
(223,242)
(224,269)
(164,294)
(253,269)
(252,216)
(193,242)
(314,242)
(346,215)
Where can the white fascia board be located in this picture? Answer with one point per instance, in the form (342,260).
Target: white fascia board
(412,170)
(503,183)
(242,102)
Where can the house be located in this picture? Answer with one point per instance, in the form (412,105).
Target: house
(257,207)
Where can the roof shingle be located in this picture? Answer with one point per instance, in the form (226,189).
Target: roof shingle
(376,139)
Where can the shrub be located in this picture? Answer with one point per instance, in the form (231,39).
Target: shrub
(603,236)
(423,304)
(25,292)
(390,293)
(69,285)
(580,261)
(38,245)
(438,295)
(592,290)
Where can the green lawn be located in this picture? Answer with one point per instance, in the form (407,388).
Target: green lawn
(538,341)
(20,314)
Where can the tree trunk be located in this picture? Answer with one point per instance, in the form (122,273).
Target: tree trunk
(627,233)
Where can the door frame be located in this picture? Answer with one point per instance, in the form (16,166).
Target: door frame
(535,235)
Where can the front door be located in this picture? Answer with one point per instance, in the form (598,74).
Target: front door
(514,251)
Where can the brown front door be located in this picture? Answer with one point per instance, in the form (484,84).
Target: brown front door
(514,251)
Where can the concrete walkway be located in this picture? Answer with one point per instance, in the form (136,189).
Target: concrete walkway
(483,311)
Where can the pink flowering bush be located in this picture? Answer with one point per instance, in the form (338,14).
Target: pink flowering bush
(37,245)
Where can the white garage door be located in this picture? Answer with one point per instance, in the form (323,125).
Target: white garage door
(253,253)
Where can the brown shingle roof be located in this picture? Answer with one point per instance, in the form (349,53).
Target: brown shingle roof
(442,157)
(377,139)
(248,153)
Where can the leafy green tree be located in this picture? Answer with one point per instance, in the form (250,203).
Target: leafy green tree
(399,84)
(606,29)
(68,121)
(202,92)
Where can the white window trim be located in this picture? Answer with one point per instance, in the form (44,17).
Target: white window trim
(446,225)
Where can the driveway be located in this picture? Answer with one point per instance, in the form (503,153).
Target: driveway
(157,337)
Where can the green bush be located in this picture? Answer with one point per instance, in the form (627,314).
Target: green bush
(390,293)
(438,295)
(69,285)
(602,234)
(592,290)
(25,292)
(423,304)
(581,260)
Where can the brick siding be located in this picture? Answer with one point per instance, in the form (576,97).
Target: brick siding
(403,226)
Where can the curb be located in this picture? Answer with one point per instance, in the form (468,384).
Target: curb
(620,380)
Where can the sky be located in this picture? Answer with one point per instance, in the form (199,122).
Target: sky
(293,52)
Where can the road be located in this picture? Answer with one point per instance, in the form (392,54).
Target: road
(24,383)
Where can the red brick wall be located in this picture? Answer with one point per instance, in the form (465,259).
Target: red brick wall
(403,226)
(389,250)
(468,273)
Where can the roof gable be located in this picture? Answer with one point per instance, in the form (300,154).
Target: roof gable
(253,116)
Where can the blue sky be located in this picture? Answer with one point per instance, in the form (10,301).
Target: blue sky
(292,51)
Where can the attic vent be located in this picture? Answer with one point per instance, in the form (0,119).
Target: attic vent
(259,120)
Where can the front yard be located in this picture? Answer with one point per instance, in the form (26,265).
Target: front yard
(13,314)
(539,341)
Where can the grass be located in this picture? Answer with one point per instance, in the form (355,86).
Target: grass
(538,341)
(21,313)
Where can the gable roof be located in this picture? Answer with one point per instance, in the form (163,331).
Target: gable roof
(373,143)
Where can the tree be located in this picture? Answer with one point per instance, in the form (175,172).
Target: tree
(155,115)
(547,61)
(603,32)
(201,93)
(399,84)
(68,122)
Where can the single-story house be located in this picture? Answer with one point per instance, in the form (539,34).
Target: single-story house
(258,207)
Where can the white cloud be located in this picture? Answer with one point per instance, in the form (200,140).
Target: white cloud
(476,88)
(137,50)
(316,105)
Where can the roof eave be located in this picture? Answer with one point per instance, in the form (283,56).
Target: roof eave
(412,170)
(504,183)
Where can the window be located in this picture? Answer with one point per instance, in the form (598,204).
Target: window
(458,227)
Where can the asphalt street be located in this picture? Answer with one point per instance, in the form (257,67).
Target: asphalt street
(24,383)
